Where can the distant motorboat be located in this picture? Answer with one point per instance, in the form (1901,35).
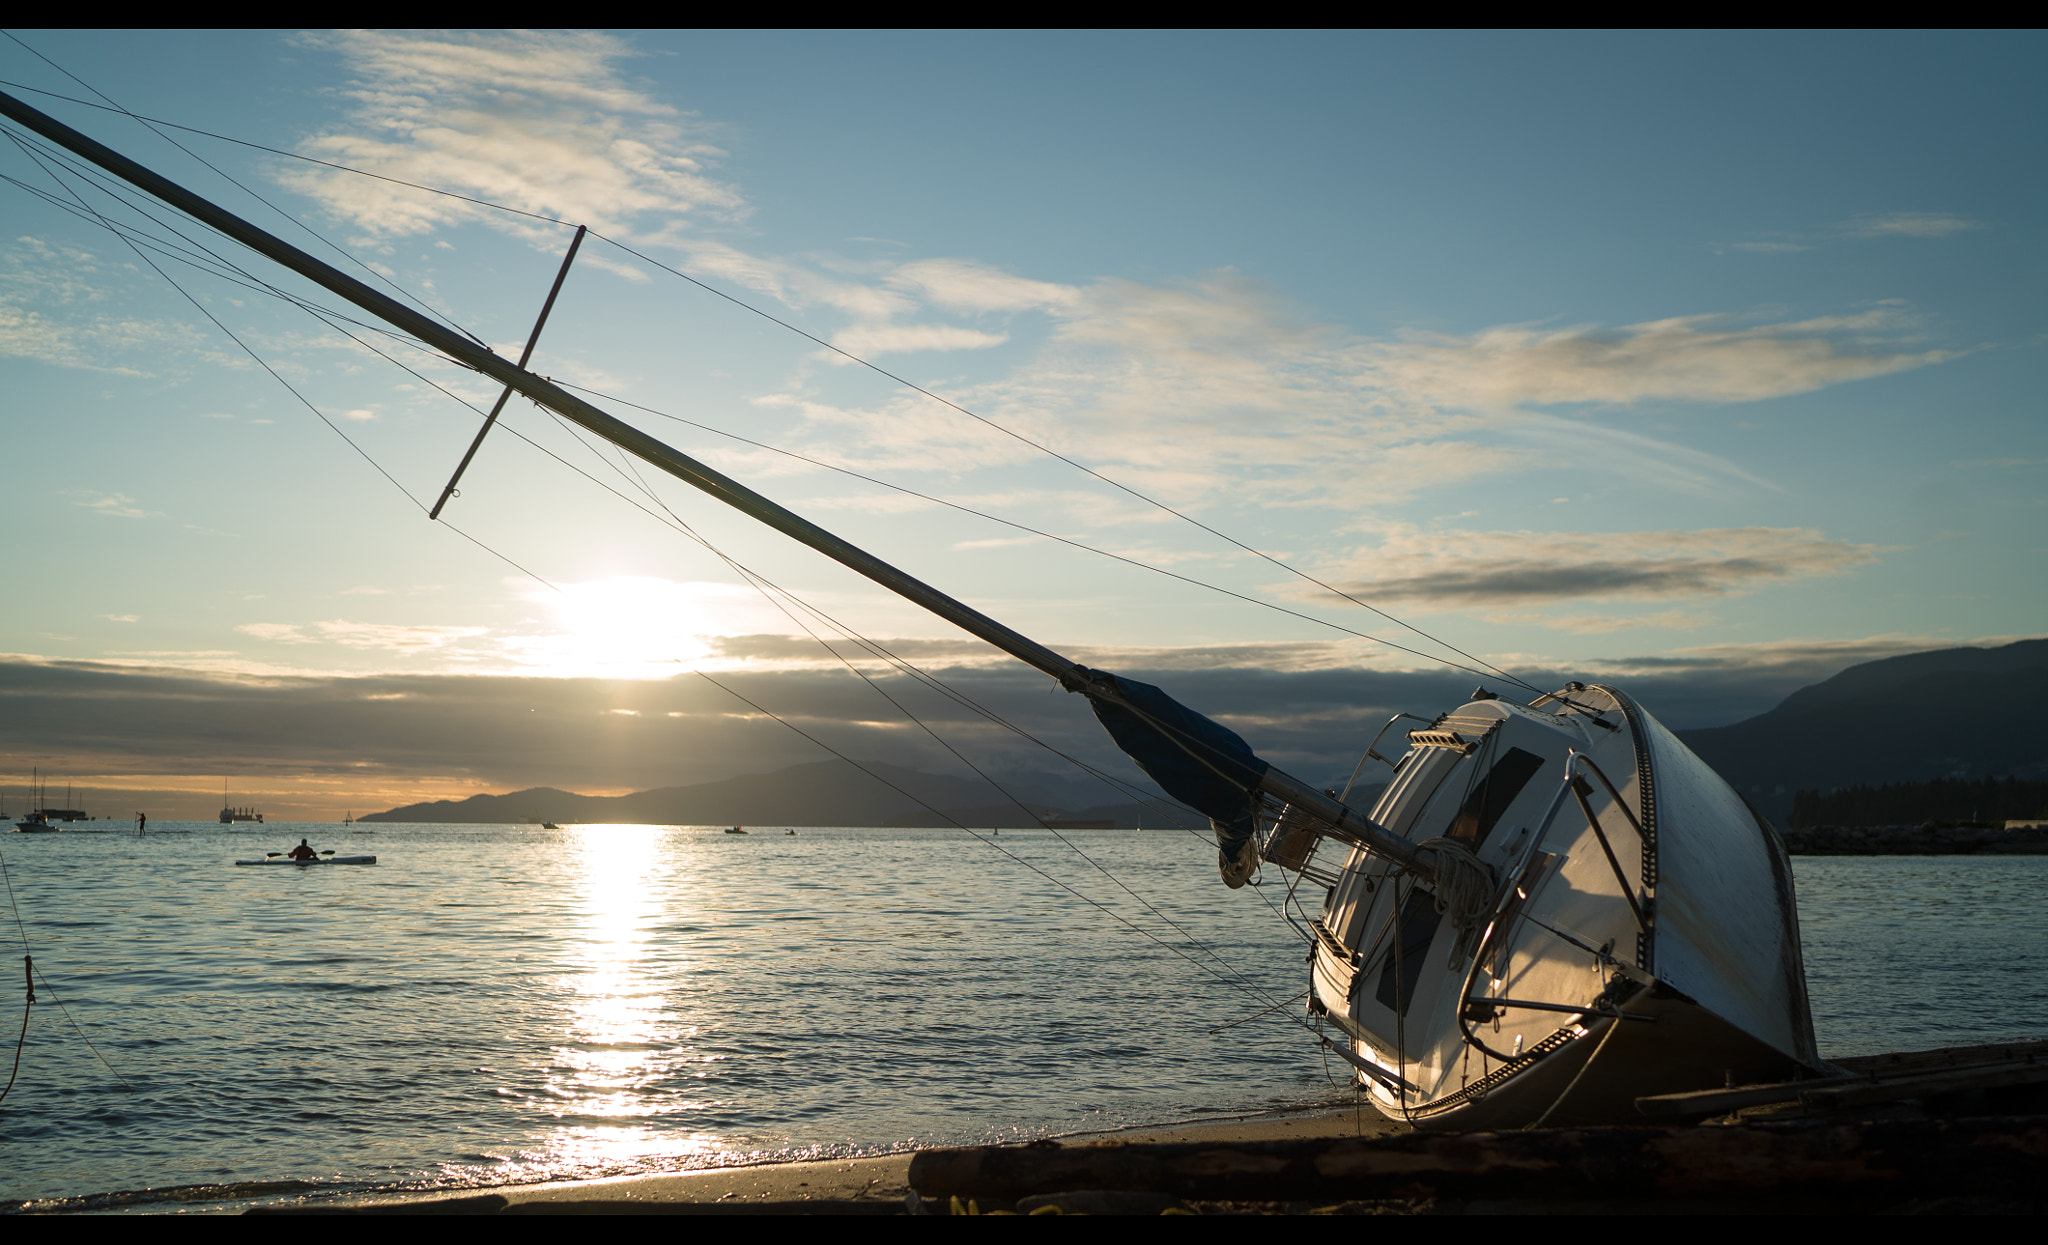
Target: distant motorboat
(734,830)
(549,825)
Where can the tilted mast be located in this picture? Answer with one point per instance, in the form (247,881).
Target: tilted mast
(1194,758)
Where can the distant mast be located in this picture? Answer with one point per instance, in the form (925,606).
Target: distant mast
(229,814)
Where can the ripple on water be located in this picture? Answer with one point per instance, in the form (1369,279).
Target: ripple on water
(491,1003)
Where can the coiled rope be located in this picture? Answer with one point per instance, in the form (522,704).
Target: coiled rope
(1464,884)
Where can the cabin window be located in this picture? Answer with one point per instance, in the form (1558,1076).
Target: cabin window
(1419,920)
(1487,801)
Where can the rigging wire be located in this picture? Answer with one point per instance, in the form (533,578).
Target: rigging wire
(1025,527)
(763,585)
(294,155)
(34,974)
(900,707)
(28,966)
(221,267)
(1078,466)
(261,361)
(329,317)
(930,680)
(331,245)
(195,253)
(201,307)
(1098,905)
(1116,784)
(884,372)
(51,991)
(380,469)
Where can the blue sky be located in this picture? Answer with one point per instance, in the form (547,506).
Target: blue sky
(1590,353)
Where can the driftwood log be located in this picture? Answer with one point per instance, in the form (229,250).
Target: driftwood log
(1867,1080)
(1946,1158)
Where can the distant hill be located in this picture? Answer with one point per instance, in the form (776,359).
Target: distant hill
(1961,713)
(1910,803)
(822,793)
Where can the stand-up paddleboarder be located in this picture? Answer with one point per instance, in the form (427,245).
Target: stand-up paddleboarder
(141,822)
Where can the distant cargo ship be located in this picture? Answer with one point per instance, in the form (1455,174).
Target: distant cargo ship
(239,814)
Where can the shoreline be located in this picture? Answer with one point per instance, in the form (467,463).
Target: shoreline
(1928,839)
(875,1184)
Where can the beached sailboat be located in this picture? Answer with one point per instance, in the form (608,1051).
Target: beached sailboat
(1555,908)
(1640,932)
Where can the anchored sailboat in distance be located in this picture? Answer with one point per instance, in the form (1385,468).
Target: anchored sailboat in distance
(1554,908)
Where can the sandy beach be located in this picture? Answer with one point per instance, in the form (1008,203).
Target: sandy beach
(877,1185)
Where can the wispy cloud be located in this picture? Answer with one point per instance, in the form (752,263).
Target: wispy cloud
(113,505)
(1908,225)
(1864,228)
(873,340)
(1217,389)
(1701,358)
(962,285)
(401,638)
(1203,390)
(1456,570)
(59,306)
(544,122)
(277,633)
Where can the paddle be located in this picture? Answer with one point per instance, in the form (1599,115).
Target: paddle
(328,852)
(273,853)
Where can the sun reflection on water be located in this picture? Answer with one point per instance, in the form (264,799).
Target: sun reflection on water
(620,1045)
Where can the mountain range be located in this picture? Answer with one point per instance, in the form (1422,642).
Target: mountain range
(820,793)
(1949,713)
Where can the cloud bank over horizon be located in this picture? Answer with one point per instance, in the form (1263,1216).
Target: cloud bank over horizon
(314,746)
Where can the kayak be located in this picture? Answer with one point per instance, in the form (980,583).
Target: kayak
(324,860)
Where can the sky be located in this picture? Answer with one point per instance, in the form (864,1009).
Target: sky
(1704,364)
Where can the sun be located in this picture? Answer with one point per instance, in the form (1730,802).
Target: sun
(626,627)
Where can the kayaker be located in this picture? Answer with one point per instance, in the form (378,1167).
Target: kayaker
(303,851)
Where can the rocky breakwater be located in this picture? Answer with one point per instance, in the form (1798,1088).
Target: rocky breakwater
(1926,839)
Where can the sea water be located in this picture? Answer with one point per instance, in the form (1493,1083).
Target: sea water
(507,1003)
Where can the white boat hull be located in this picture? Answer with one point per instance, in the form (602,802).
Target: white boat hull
(303,864)
(1683,920)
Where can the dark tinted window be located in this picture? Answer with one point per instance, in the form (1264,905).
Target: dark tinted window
(1484,806)
(1419,919)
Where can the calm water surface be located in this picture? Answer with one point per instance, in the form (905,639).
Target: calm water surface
(496,1003)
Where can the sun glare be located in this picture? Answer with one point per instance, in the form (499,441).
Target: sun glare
(618,1044)
(629,627)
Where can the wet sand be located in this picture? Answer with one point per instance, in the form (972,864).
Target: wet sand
(877,1185)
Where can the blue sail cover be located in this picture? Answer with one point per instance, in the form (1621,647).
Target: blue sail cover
(1204,765)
